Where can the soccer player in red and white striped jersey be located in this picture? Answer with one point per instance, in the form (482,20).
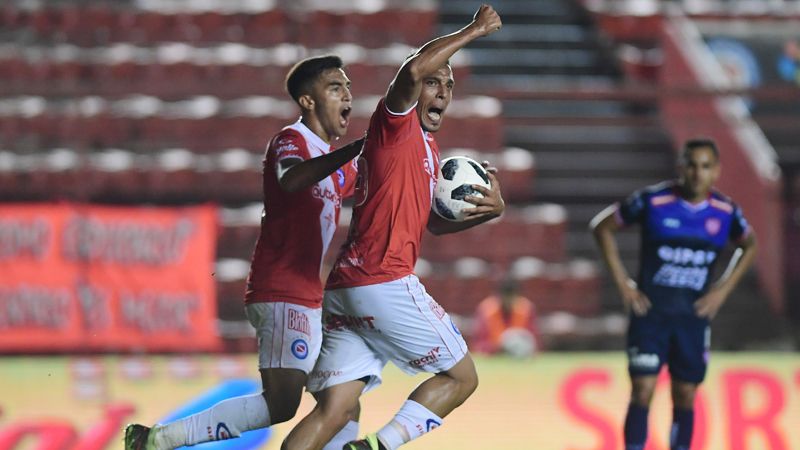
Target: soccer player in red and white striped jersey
(304,183)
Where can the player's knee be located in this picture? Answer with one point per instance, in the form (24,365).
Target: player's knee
(355,414)
(642,389)
(641,395)
(463,378)
(283,407)
(470,383)
(464,383)
(337,418)
(683,395)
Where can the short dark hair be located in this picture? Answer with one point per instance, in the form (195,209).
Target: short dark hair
(693,144)
(303,74)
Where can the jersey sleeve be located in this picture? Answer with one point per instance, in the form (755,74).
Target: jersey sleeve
(632,209)
(388,128)
(288,144)
(740,228)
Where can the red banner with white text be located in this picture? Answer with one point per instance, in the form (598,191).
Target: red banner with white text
(79,277)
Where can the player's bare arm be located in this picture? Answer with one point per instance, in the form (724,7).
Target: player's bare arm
(488,207)
(709,304)
(407,84)
(603,226)
(295,174)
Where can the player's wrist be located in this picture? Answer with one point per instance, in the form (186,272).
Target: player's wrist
(473,31)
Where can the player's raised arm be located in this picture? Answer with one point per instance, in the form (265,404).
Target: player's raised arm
(405,88)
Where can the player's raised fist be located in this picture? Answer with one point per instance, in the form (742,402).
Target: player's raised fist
(486,20)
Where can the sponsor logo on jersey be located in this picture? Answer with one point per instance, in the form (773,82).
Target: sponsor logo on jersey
(455,328)
(285,145)
(300,349)
(431,357)
(326,194)
(683,267)
(298,321)
(337,321)
(686,256)
(222,432)
(713,225)
(671,222)
(670,275)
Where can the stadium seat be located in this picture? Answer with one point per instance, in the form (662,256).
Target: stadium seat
(267,28)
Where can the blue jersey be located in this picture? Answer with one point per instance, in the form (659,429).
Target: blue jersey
(681,242)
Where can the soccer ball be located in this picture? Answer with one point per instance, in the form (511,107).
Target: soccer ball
(456,175)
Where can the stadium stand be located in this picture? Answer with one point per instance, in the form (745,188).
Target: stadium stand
(171,102)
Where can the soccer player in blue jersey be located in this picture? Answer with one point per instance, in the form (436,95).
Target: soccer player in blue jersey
(685,224)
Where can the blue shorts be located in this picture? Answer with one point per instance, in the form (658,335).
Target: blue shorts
(682,342)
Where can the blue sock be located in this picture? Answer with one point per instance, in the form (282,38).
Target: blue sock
(680,436)
(636,427)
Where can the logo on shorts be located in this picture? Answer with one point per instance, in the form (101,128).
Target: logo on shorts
(300,349)
(436,308)
(431,357)
(455,328)
(643,360)
(338,321)
(299,322)
(222,432)
(324,374)
(431,424)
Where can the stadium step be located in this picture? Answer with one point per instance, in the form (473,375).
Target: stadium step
(594,139)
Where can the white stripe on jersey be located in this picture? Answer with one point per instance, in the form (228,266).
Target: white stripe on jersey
(431,163)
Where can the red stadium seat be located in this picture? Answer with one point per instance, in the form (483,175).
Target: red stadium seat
(267,28)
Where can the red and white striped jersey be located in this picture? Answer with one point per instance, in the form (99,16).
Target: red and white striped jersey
(296,228)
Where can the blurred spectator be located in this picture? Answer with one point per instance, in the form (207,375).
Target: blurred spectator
(506,323)
(789,62)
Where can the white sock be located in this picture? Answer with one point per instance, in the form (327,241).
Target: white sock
(225,420)
(345,435)
(412,421)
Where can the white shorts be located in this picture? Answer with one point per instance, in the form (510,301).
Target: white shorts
(289,336)
(365,327)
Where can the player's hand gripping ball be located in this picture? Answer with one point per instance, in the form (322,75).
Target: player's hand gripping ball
(457,174)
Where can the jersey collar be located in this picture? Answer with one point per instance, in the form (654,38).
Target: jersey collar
(676,189)
(311,137)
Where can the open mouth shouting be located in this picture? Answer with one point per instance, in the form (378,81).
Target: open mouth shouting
(344,118)
(435,115)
